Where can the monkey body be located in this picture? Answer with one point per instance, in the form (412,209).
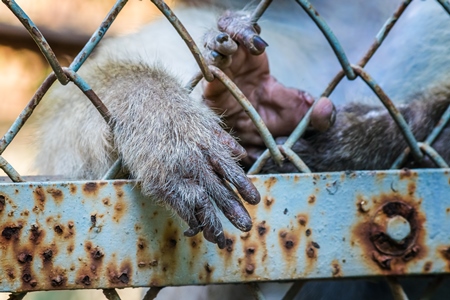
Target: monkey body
(366,137)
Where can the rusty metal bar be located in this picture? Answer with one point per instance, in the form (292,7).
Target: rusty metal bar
(251,112)
(393,111)
(121,239)
(294,159)
(445,4)
(26,113)
(329,35)
(16,296)
(256,291)
(152,293)
(114,171)
(294,290)
(429,140)
(9,170)
(111,294)
(433,155)
(396,288)
(259,10)
(381,35)
(432,287)
(89,93)
(39,39)
(97,35)
(184,34)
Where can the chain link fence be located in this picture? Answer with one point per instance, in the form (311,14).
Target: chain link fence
(277,152)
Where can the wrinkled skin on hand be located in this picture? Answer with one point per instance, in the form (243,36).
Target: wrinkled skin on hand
(281,108)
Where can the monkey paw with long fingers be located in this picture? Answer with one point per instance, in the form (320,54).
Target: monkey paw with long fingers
(238,50)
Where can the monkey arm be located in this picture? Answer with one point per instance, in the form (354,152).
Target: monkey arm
(247,65)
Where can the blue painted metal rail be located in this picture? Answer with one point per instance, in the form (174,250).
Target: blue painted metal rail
(325,225)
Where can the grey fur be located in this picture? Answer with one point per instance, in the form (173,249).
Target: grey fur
(365,137)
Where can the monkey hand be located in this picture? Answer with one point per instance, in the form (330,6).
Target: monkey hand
(242,58)
(181,155)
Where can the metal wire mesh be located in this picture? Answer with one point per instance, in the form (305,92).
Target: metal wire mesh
(277,152)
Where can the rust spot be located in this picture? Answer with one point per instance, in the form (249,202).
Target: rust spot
(47,255)
(229,245)
(24,257)
(57,280)
(312,199)
(59,229)
(93,220)
(208,268)
(39,198)
(315,245)
(249,269)
(289,241)
(411,188)
(335,269)
(310,252)
(406,173)
(119,207)
(308,232)
(270,182)
(36,234)
(73,188)
(302,219)
(57,195)
(154,263)
(262,228)
(26,277)
(85,280)
(121,277)
(106,201)
(91,188)
(289,244)
(97,253)
(70,224)
(427,267)
(250,250)
(141,244)
(2,202)
(268,201)
(11,231)
(377,249)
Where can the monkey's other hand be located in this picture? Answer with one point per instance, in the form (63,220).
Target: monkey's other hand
(242,58)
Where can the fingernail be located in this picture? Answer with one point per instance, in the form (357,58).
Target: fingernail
(333,116)
(221,241)
(222,37)
(259,43)
(191,232)
(215,54)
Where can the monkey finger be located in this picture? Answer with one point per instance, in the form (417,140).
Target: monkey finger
(211,226)
(241,29)
(237,177)
(323,115)
(220,42)
(226,139)
(232,208)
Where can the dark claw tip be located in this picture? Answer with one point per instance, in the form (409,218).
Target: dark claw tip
(191,232)
(259,43)
(222,37)
(221,241)
(215,54)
